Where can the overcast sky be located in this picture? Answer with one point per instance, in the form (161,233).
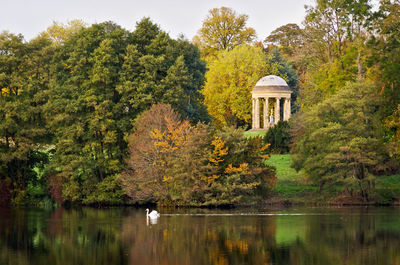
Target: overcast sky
(29,17)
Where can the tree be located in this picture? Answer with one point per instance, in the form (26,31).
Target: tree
(24,81)
(340,140)
(392,123)
(335,47)
(330,49)
(279,138)
(158,134)
(384,59)
(223,29)
(331,24)
(230,79)
(173,163)
(285,69)
(288,37)
(219,168)
(60,32)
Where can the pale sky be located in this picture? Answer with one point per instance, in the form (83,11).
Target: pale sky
(30,17)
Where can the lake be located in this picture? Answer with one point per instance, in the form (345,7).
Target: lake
(306,236)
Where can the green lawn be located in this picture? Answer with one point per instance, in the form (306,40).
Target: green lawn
(254,133)
(291,184)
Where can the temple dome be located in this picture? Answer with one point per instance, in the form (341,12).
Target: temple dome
(271,83)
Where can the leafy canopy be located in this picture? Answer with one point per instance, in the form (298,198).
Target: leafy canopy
(340,140)
(223,29)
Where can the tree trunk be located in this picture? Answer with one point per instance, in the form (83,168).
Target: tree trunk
(359,66)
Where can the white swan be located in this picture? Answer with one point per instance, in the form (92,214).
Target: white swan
(153,215)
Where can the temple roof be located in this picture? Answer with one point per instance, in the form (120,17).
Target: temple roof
(271,83)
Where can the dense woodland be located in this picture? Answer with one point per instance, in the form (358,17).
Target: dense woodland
(102,115)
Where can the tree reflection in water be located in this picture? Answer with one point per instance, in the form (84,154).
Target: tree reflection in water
(122,236)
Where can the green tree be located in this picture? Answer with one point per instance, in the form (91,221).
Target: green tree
(289,38)
(340,140)
(279,138)
(287,71)
(223,29)
(83,106)
(24,81)
(332,23)
(384,58)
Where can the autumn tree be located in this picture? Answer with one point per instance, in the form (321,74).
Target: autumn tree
(173,163)
(232,76)
(158,134)
(223,29)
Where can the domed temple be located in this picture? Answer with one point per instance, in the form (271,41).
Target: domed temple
(270,88)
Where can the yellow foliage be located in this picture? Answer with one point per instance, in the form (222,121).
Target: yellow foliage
(176,132)
(166,179)
(5,91)
(231,169)
(209,178)
(219,150)
(156,134)
(265,147)
(171,139)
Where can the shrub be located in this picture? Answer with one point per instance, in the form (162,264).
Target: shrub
(278,138)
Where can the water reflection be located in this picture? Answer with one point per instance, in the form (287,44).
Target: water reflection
(151,221)
(126,236)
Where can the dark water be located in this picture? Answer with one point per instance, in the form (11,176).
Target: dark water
(122,236)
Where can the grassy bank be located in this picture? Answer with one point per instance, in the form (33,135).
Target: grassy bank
(293,187)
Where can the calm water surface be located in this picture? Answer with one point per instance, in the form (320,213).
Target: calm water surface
(252,236)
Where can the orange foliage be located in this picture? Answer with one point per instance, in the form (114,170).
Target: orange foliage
(219,150)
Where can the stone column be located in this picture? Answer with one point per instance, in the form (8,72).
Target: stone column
(257,118)
(285,110)
(253,114)
(266,117)
(277,111)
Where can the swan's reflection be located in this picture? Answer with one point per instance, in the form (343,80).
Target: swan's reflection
(151,221)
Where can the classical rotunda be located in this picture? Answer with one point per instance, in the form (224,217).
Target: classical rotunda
(269,95)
